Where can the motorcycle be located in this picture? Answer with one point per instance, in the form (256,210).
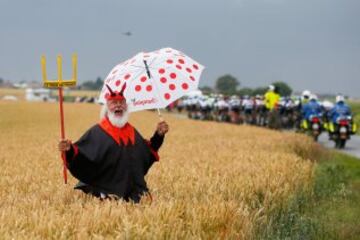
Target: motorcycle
(341,130)
(315,126)
(312,126)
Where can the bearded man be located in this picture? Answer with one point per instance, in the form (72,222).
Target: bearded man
(111,159)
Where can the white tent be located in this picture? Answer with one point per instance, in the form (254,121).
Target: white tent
(40,94)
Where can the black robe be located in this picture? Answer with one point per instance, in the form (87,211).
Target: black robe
(104,166)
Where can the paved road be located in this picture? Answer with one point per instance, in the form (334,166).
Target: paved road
(352,146)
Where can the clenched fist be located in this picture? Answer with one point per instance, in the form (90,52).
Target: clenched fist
(162,128)
(64,145)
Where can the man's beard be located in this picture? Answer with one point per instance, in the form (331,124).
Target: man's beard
(117,121)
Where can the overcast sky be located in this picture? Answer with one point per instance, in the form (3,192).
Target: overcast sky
(310,44)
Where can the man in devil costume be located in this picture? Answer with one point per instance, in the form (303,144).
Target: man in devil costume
(112,158)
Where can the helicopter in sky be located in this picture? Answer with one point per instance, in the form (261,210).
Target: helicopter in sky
(128,33)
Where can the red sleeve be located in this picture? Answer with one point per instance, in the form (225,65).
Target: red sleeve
(76,150)
(72,153)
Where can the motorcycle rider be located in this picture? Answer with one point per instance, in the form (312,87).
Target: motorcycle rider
(271,101)
(260,110)
(326,107)
(287,106)
(271,98)
(235,108)
(222,106)
(311,108)
(248,105)
(304,99)
(341,109)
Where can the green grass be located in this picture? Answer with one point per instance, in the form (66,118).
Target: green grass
(330,210)
(337,195)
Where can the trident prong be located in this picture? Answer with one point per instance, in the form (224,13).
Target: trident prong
(59,82)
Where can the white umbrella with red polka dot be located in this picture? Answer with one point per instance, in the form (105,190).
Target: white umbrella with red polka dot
(155,79)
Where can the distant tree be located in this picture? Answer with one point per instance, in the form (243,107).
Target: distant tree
(93,85)
(282,88)
(206,90)
(260,91)
(88,85)
(99,83)
(1,81)
(245,91)
(227,84)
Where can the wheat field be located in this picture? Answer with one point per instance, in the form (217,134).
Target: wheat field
(213,181)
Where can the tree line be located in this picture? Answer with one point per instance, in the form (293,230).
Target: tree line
(229,85)
(226,84)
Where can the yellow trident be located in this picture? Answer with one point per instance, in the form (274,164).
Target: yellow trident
(60,83)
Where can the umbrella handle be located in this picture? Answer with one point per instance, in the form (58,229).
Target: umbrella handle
(160,116)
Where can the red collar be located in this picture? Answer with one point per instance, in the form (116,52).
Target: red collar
(125,134)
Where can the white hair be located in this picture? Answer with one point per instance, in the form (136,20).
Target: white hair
(103,111)
(115,120)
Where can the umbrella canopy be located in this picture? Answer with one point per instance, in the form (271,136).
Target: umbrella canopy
(154,79)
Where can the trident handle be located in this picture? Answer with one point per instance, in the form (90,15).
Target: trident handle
(62,124)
